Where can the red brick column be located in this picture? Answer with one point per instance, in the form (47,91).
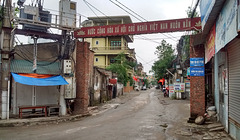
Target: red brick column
(197,86)
(84,69)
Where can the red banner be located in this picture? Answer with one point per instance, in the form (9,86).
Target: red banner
(163,26)
(210,46)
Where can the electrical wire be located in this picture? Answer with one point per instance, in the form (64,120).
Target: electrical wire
(138,16)
(143,60)
(148,39)
(98,10)
(151,61)
(30,53)
(194,9)
(131,10)
(126,10)
(93,11)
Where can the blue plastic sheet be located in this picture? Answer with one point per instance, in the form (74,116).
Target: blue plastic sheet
(51,81)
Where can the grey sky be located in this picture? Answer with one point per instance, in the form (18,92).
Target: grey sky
(151,10)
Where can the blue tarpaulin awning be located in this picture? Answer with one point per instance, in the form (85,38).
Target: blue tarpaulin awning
(51,81)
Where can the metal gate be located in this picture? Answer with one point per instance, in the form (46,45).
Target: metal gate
(234,81)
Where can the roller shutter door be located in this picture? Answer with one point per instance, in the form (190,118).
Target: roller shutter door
(234,80)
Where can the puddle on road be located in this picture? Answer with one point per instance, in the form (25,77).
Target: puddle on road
(164,125)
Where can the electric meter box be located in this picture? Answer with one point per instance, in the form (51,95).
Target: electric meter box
(67,13)
(67,64)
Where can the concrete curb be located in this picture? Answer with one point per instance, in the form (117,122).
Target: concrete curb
(40,121)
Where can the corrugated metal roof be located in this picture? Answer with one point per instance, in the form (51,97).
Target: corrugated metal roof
(23,66)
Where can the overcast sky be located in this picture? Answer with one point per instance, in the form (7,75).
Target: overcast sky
(151,10)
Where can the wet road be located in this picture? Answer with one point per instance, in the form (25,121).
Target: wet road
(147,116)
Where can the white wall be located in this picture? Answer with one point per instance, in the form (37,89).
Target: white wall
(24,95)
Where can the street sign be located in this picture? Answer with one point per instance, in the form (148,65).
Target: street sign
(197,71)
(163,26)
(179,87)
(195,62)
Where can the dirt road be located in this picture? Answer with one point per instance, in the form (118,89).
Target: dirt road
(143,115)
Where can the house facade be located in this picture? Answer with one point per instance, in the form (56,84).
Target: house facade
(107,48)
(220,25)
(31,93)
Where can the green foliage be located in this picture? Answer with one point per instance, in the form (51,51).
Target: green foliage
(131,81)
(146,82)
(121,67)
(166,55)
(121,71)
(189,12)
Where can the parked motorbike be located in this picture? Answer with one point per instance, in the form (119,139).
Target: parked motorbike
(165,92)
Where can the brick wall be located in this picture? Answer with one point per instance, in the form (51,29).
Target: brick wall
(197,86)
(84,69)
(128,88)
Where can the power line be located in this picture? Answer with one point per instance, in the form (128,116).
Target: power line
(131,10)
(152,60)
(138,16)
(145,38)
(143,60)
(194,9)
(92,10)
(98,10)
(126,10)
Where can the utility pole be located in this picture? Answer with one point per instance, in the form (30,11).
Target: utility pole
(5,59)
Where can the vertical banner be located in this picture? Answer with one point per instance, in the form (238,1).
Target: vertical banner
(210,46)
(171,90)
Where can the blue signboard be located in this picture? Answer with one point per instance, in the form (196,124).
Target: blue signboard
(197,71)
(196,62)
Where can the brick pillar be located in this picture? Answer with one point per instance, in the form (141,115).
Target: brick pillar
(197,85)
(84,69)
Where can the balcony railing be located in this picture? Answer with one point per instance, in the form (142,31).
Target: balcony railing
(115,50)
(109,48)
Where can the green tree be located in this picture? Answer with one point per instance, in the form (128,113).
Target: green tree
(166,55)
(121,67)
(189,12)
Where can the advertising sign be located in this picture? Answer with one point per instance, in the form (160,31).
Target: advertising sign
(226,24)
(179,87)
(197,71)
(171,90)
(162,26)
(210,46)
(196,62)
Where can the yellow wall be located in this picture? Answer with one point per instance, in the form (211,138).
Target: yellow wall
(101,61)
(101,42)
